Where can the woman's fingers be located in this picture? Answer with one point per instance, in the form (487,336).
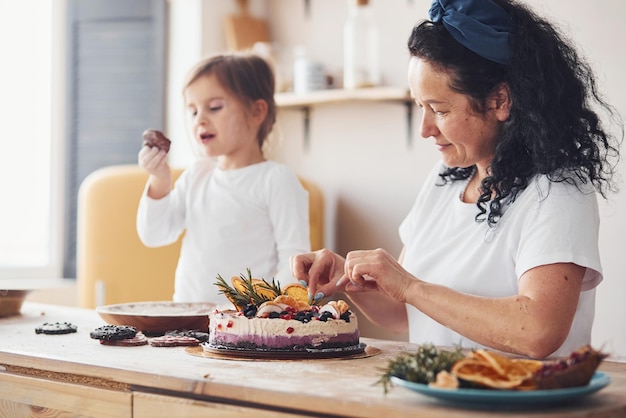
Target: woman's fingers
(360,266)
(373,270)
(300,265)
(319,270)
(368,286)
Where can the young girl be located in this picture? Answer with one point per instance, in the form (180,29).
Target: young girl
(239,212)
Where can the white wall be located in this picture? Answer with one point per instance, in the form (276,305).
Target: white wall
(359,155)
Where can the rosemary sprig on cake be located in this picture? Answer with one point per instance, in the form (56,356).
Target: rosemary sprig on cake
(235,297)
(246,291)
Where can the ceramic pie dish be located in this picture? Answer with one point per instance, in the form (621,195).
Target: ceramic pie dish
(11,302)
(158,317)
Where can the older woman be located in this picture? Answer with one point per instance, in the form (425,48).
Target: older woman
(501,245)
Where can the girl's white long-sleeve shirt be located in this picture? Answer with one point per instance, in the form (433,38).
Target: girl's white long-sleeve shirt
(253,217)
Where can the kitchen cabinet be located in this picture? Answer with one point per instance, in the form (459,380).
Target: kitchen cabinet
(50,395)
(148,405)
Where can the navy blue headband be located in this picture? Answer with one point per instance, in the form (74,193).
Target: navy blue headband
(479,25)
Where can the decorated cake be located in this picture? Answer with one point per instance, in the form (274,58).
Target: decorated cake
(268,318)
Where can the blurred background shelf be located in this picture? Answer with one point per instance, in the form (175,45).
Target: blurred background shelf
(317,97)
(304,102)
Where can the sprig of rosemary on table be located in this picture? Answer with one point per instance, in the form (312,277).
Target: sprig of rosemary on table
(421,366)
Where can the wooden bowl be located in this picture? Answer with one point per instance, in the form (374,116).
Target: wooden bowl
(155,318)
(11,301)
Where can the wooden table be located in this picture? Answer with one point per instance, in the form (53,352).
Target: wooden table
(74,375)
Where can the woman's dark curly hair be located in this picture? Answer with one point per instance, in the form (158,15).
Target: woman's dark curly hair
(552,129)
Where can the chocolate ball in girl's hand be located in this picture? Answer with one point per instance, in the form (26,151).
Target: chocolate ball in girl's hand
(154,138)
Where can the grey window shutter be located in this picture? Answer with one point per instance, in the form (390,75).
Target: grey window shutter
(116,83)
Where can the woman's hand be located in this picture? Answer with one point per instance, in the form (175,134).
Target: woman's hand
(154,161)
(320,270)
(377,270)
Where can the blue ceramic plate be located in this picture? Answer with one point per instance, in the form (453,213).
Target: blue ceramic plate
(507,397)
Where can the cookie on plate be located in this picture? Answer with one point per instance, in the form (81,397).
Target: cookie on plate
(173,341)
(137,340)
(113,332)
(56,328)
(193,333)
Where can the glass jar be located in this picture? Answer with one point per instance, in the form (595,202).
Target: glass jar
(360,47)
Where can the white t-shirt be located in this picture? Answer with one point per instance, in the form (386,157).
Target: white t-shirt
(444,245)
(254,217)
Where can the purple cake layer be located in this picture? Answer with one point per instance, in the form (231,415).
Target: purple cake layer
(284,342)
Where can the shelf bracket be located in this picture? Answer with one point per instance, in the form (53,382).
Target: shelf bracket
(306,121)
(305,103)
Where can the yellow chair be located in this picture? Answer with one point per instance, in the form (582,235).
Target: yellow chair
(113,265)
(316,213)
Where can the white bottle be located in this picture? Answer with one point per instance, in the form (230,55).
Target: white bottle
(307,75)
(360,47)
(300,69)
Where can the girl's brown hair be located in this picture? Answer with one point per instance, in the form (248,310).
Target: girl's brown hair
(249,77)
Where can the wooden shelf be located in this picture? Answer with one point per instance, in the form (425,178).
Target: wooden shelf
(304,102)
(373,94)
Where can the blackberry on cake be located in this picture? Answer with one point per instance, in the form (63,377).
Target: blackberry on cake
(268,318)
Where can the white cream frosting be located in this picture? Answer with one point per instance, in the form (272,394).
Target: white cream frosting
(240,325)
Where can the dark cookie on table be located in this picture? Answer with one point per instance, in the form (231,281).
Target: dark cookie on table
(173,341)
(113,332)
(56,328)
(154,138)
(193,333)
(137,340)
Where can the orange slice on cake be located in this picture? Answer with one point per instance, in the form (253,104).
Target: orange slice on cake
(297,291)
(302,306)
(238,284)
(287,300)
(260,287)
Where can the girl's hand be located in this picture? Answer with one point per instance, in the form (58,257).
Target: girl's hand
(320,271)
(154,161)
(377,270)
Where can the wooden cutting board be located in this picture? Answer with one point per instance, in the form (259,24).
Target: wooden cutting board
(244,30)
